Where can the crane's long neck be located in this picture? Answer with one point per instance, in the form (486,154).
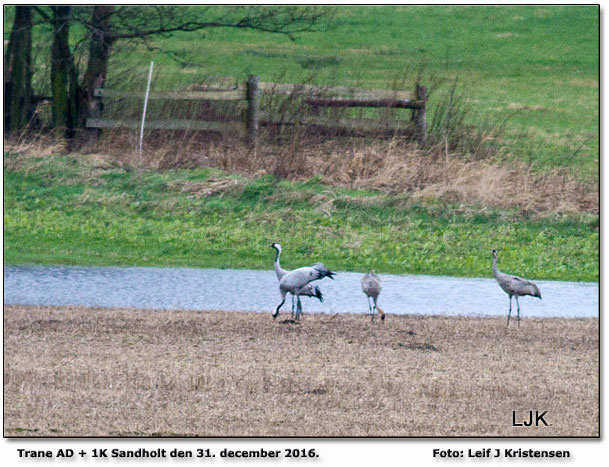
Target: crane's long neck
(280,272)
(495,268)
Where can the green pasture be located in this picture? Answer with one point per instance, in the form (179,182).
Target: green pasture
(535,66)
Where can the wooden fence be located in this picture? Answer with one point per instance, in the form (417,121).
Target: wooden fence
(315,97)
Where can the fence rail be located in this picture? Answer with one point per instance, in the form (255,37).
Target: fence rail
(177,124)
(215,95)
(251,91)
(308,89)
(345,102)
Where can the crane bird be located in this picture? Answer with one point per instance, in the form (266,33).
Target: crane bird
(371,286)
(296,281)
(310,290)
(514,286)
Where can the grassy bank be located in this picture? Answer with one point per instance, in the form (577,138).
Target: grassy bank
(90,372)
(90,210)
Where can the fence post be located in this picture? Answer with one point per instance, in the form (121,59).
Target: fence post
(253,109)
(144,110)
(419,114)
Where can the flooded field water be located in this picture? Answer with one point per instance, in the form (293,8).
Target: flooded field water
(241,290)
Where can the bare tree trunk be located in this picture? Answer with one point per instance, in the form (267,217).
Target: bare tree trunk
(18,107)
(63,74)
(97,66)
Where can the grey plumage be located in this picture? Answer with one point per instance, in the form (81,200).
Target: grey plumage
(371,286)
(310,290)
(514,286)
(296,281)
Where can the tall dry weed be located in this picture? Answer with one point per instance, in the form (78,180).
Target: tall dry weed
(396,166)
(35,145)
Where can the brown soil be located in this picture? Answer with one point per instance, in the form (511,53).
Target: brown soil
(83,372)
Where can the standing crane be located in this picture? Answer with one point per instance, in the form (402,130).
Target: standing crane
(309,290)
(371,286)
(297,280)
(514,286)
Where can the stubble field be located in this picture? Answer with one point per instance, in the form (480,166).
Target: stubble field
(73,371)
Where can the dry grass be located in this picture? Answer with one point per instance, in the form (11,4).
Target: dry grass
(393,166)
(80,372)
(32,147)
(397,167)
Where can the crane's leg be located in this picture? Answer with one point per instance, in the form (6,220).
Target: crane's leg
(373,310)
(510,311)
(379,310)
(283,294)
(298,308)
(292,306)
(518,305)
(369,305)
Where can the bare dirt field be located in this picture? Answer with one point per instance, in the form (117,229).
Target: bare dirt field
(92,372)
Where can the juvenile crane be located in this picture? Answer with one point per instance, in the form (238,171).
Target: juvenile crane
(309,290)
(297,280)
(371,286)
(514,286)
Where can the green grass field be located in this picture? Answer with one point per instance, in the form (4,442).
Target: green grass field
(537,66)
(62,210)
